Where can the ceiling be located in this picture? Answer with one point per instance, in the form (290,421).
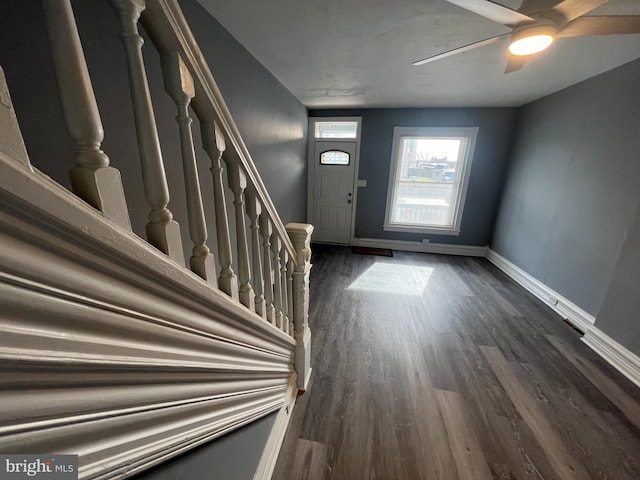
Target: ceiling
(358,53)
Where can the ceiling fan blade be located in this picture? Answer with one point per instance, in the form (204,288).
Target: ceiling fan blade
(569,10)
(466,48)
(514,63)
(493,11)
(607,25)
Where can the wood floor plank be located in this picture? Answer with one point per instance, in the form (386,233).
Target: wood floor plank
(507,443)
(564,464)
(310,461)
(437,355)
(522,457)
(466,450)
(398,374)
(436,458)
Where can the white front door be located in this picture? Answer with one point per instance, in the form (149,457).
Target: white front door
(333,195)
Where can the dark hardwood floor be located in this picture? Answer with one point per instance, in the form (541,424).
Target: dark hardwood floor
(474,379)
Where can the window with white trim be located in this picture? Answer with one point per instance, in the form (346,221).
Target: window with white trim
(428,179)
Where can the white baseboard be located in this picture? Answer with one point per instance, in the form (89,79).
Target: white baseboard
(442,248)
(623,360)
(582,320)
(272,448)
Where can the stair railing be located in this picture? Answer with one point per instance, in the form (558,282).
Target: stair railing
(273,261)
(134,356)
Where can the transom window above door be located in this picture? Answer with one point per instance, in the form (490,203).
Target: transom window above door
(428,179)
(336,129)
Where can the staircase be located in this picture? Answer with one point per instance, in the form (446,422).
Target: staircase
(111,347)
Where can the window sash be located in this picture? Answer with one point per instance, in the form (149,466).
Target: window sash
(423,209)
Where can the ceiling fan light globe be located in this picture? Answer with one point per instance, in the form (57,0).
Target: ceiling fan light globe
(531,44)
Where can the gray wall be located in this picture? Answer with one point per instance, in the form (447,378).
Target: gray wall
(618,316)
(573,185)
(487,172)
(273,124)
(228,458)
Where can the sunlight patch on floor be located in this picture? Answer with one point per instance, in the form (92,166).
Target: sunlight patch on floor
(393,278)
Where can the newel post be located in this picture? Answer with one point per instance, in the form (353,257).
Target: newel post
(300,235)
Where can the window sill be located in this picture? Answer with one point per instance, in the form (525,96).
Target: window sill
(454,232)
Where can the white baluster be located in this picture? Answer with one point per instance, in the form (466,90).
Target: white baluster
(290,269)
(214,144)
(277,278)
(254,210)
(238,184)
(178,83)
(266,232)
(300,235)
(162,231)
(92,179)
(284,258)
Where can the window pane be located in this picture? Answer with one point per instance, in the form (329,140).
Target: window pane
(334,157)
(336,129)
(427,181)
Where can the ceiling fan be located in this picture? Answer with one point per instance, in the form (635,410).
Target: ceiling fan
(535,26)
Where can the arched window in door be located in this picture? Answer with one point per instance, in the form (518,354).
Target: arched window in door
(335,157)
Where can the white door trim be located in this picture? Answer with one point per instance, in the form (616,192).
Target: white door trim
(311,166)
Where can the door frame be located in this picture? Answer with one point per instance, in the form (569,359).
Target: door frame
(311,164)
